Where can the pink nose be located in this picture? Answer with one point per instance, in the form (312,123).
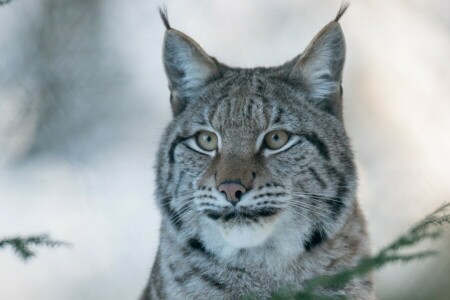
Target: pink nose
(233,191)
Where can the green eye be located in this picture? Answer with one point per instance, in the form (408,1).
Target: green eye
(207,140)
(276,139)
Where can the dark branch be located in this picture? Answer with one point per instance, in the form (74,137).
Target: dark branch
(430,228)
(22,245)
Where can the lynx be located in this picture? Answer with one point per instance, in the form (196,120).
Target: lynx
(256,181)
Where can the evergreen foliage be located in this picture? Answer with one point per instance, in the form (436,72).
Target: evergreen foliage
(430,228)
(22,246)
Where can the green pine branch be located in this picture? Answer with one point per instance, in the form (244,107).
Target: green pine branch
(22,246)
(430,228)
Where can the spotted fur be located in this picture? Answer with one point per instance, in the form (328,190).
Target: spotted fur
(299,217)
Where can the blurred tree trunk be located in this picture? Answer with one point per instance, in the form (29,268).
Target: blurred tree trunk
(68,76)
(64,62)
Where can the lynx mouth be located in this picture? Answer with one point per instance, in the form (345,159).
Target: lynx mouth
(245,216)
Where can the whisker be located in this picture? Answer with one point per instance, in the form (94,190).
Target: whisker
(297,213)
(317,196)
(312,209)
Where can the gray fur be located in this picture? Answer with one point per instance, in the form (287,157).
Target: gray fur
(299,217)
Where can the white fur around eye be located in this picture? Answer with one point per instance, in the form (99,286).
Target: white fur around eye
(293,139)
(192,143)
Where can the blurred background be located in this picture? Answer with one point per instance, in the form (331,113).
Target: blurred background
(84,101)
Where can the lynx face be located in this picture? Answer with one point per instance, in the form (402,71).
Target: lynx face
(255,157)
(255,176)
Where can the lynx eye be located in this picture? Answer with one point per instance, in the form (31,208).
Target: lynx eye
(276,139)
(207,140)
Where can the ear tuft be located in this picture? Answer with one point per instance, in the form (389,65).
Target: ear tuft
(164,16)
(342,10)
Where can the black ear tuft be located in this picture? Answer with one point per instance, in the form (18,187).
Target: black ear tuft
(342,10)
(164,16)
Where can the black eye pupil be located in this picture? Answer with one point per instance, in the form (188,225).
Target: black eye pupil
(275,137)
(208,138)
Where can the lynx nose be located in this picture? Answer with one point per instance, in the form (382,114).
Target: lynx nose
(232,190)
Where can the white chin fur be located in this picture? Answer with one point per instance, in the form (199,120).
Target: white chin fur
(247,236)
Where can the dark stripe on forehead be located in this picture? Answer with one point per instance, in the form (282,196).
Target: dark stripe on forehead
(321,147)
(211,110)
(225,85)
(279,113)
(263,99)
(248,109)
(259,87)
(249,112)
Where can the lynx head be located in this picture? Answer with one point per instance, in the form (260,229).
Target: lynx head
(255,157)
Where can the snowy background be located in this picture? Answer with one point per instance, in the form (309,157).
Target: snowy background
(84,100)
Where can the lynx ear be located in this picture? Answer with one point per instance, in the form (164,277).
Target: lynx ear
(187,66)
(319,68)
